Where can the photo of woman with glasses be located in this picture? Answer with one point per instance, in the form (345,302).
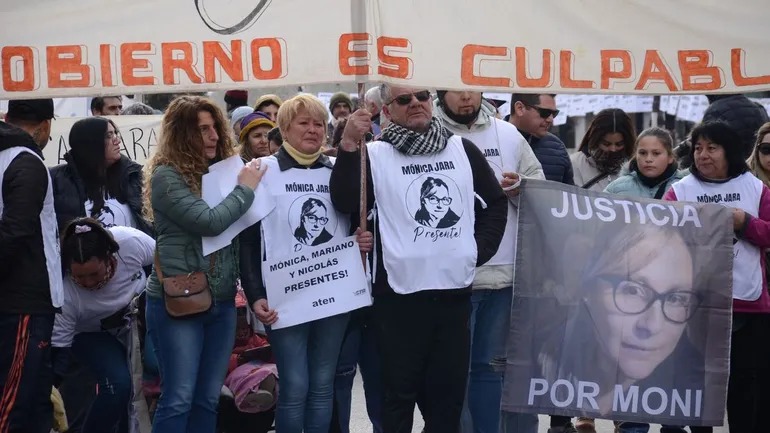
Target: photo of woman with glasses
(434,208)
(630,305)
(312,223)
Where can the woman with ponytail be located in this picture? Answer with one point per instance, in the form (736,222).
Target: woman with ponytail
(102,273)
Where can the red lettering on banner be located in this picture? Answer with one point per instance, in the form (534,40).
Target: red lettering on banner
(738,65)
(394,66)
(522,77)
(67,59)
(655,69)
(610,58)
(567,61)
(469,65)
(214,55)
(129,64)
(277,48)
(106,54)
(697,63)
(172,64)
(351,51)
(27,83)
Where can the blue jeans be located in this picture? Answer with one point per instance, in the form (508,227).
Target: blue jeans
(193,354)
(107,359)
(306,357)
(490,324)
(359,347)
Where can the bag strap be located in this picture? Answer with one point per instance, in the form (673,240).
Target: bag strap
(595,180)
(661,190)
(159,272)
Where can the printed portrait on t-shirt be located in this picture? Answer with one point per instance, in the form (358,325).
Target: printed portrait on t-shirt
(112,213)
(313,220)
(436,197)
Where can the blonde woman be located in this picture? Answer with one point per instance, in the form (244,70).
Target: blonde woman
(759,161)
(192,352)
(306,354)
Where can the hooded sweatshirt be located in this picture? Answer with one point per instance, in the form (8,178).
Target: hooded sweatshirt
(499,141)
(27,228)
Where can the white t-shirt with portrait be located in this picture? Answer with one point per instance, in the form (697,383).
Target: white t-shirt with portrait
(113,213)
(84,309)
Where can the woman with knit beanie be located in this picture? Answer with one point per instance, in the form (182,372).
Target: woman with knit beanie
(306,354)
(253,137)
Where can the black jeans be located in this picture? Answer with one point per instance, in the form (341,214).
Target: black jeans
(26,373)
(424,342)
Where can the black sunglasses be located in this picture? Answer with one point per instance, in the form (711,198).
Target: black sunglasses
(764,148)
(406,99)
(543,112)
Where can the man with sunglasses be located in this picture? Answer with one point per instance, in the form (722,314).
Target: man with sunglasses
(422,274)
(510,157)
(30,274)
(533,115)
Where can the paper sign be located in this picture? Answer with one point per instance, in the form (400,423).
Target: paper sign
(316,283)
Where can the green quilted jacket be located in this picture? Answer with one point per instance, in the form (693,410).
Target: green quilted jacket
(181,219)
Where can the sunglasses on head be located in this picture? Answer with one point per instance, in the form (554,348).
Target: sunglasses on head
(406,99)
(764,148)
(543,112)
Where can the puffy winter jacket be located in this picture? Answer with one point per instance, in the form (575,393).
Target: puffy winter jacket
(629,185)
(69,192)
(181,218)
(553,156)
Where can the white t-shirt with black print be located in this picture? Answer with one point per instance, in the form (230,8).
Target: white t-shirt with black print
(425,214)
(113,213)
(83,309)
(744,192)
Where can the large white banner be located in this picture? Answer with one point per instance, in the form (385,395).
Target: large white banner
(317,283)
(74,47)
(139,136)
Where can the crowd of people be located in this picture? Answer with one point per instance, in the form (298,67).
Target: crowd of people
(99,244)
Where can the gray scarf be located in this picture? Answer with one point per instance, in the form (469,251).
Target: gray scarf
(414,143)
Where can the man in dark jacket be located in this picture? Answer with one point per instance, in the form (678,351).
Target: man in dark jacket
(533,116)
(422,273)
(30,269)
(741,113)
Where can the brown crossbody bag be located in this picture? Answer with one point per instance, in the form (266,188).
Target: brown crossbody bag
(185,295)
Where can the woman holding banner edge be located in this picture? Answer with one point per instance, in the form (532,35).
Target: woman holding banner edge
(652,171)
(721,175)
(297,188)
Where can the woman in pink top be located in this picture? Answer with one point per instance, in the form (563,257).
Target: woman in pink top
(720,175)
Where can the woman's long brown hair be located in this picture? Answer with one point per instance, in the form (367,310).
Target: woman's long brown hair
(180,145)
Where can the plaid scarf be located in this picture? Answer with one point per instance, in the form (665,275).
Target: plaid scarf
(414,143)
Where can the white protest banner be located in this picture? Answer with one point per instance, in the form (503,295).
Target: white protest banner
(317,283)
(183,45)
(139,135)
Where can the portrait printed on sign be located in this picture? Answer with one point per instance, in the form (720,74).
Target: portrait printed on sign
(622,309)
(433,197)
(312,220)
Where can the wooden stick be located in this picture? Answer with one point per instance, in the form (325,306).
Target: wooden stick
(362,148)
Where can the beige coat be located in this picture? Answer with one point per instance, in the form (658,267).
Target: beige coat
(584,170)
